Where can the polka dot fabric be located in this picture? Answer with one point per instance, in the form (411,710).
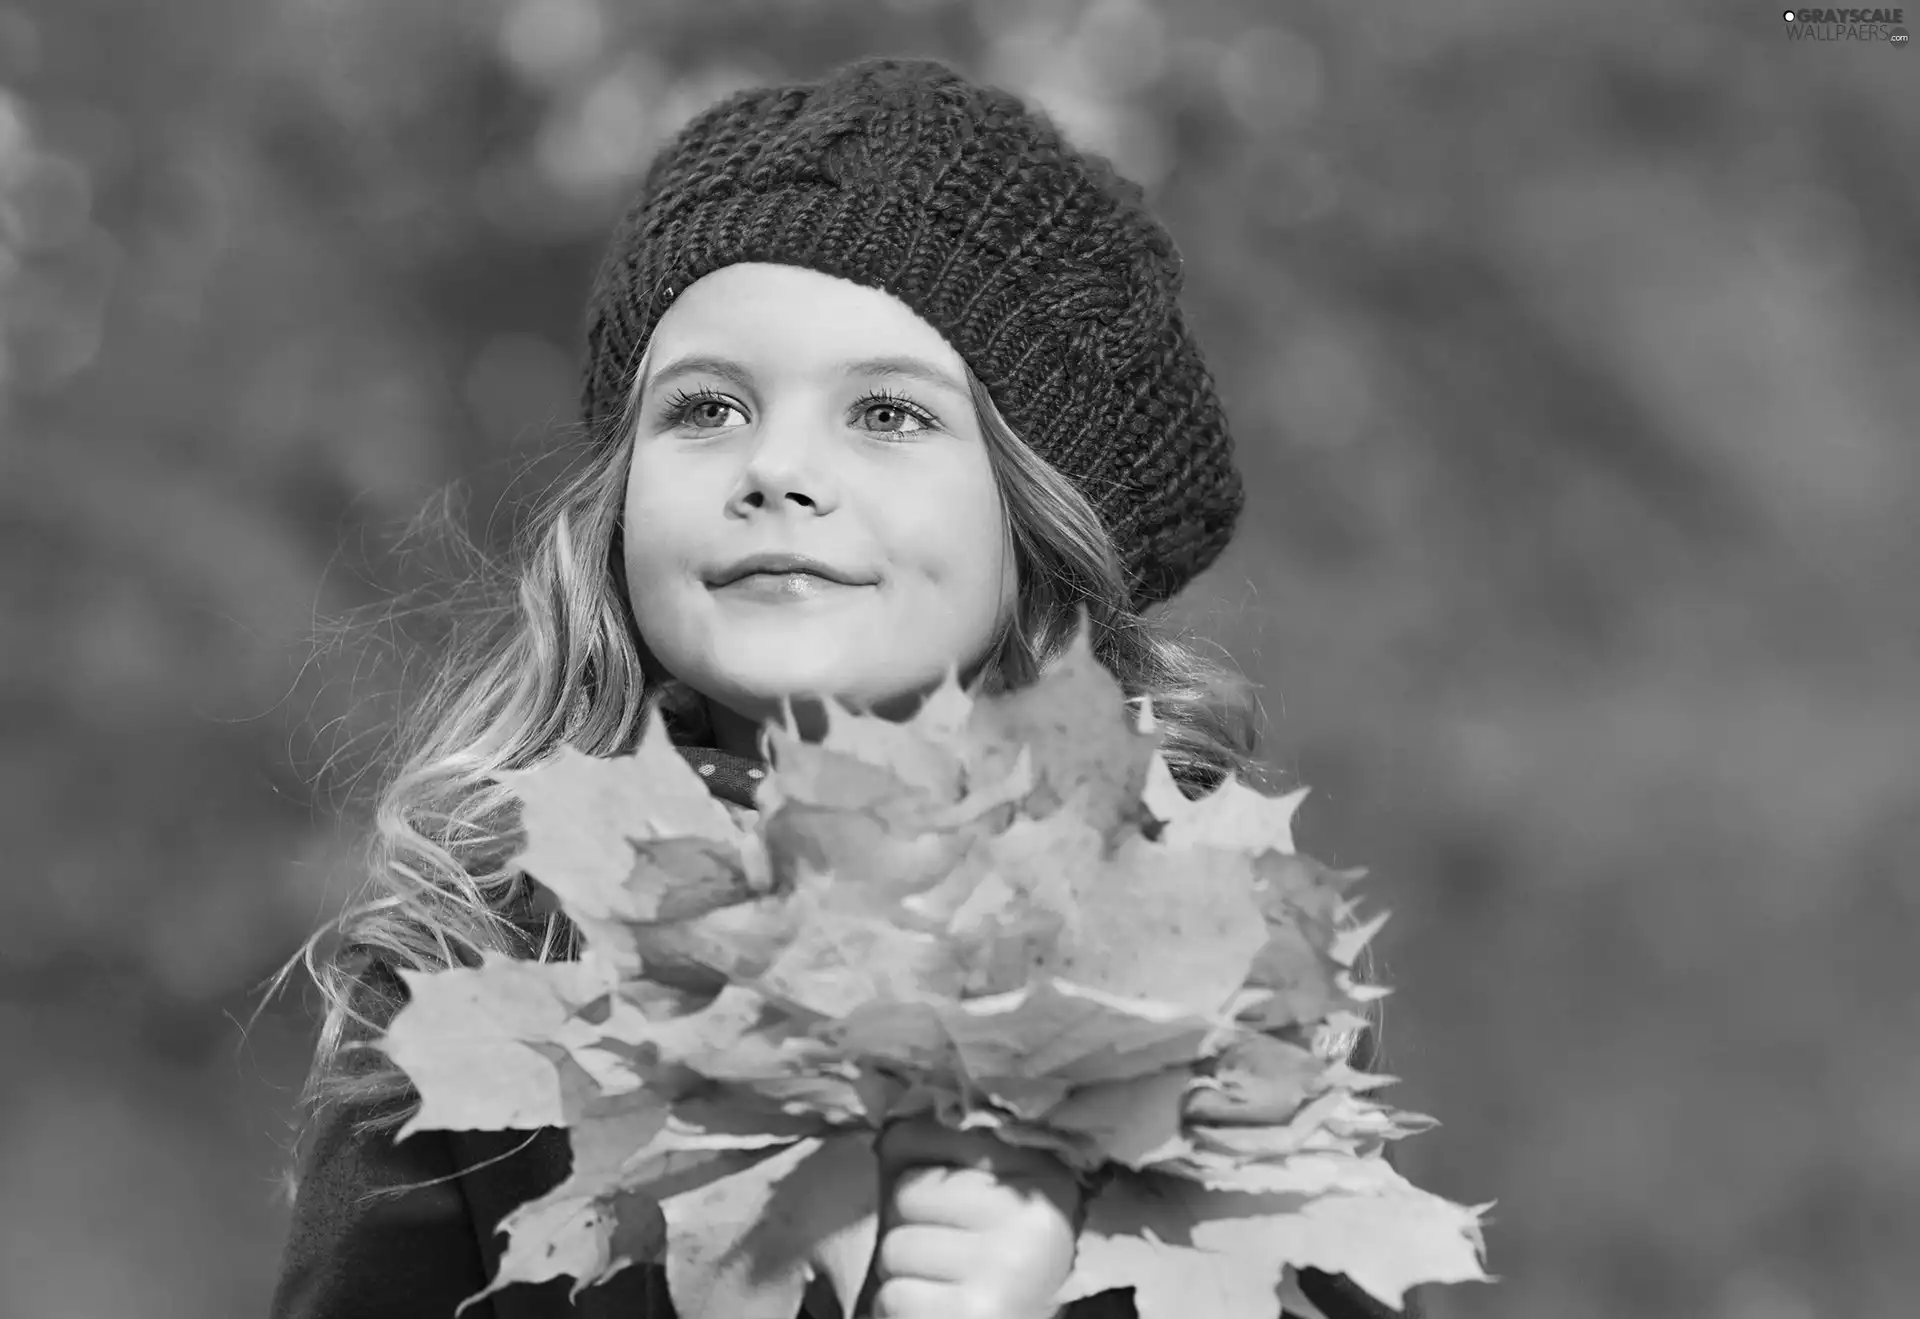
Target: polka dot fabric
(1038,262)
(731,778)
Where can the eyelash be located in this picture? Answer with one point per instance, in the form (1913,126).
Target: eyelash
(682,402)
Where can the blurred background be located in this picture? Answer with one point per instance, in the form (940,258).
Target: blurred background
(1572,353)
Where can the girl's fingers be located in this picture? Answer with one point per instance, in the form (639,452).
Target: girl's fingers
(912,1298)
(948,1197)
(931,1254)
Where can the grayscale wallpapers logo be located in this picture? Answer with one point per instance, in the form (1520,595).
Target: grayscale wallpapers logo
(1848,25)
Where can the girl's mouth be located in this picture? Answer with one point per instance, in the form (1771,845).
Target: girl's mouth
(783,587)
(779,564)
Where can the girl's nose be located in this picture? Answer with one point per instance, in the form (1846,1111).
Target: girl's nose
(789,468)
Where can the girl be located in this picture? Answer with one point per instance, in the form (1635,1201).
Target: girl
(884,377)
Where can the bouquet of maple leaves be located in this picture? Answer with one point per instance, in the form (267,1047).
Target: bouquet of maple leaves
(1003,913)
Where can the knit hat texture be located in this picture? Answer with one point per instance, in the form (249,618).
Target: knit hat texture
(1038,262)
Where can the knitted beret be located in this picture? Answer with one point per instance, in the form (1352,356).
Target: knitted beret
(1036,261)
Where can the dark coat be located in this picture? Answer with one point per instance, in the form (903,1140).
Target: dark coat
(406,1230)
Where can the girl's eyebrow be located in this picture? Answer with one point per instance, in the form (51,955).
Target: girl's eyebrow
(899,367)
(910,368)
(729,371)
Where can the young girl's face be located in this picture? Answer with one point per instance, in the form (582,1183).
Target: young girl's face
(810,510)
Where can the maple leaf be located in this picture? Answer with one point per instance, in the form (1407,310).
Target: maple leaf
(1185,1249)
(843,955)
(736,941)
(466,1038)
(759,1056)
(1133,1123)
(578,811)
(585,1238)
(679,879)
(836,813)
(1258,1080)
(594,1223)
(909,1034)
(1309,1172)
(861,849)
(820,775)
(1074,722)
(1177,926)
(629,1153)
(1056,1036)
(1233,815)
(651,1044)
(742,1246)
(925,751)
(581,816)
(865,760)
(1173,925)
(1297,887)
(1303,904)
(765,1060)
(1011,900)
(1337,1120)
(1161,796)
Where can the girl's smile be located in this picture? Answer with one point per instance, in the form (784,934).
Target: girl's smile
(784,577)
(785,588)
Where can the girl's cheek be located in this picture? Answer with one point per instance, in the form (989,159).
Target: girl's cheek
(648,561)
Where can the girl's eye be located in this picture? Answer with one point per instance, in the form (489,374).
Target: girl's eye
(888,415)
(702,410)
(881,414)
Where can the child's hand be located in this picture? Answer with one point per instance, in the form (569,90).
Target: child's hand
(970,1227)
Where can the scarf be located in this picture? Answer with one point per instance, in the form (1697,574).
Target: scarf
(729,777)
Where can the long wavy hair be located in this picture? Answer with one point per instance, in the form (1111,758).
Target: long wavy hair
(547,654)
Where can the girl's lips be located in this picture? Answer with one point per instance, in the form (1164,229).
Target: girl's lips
(780,563)
(783,587)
